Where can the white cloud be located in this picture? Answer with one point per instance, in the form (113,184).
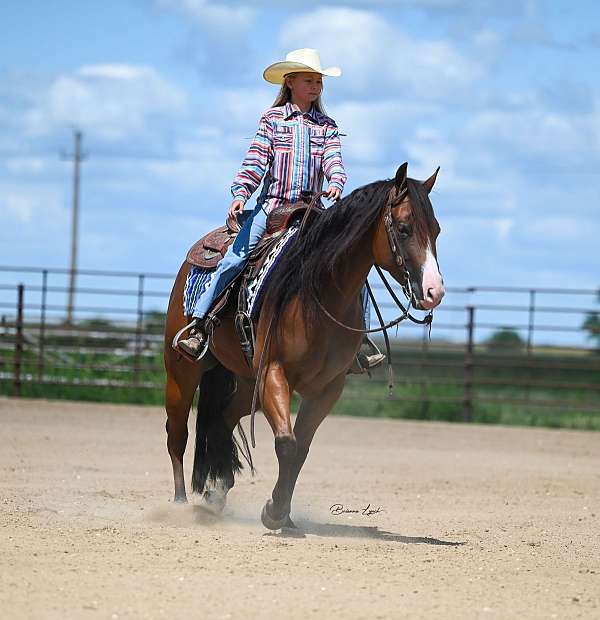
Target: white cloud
(20,207)
(504,226)
(373,128)
(26,165)
(559,122)
(244,106)
(375,55)
(113,101)
(225,16)
(559,228)
(117,72)
(429,148)
(38,209)
(533,129)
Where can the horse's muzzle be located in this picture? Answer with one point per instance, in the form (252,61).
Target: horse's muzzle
(432,298)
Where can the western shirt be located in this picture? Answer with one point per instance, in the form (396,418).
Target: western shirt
(293,152)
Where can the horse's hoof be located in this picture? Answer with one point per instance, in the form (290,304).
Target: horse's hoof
(215,500)
(289,523)
(180,499)
(269,522)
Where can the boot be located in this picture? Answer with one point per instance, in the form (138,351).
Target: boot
(368,362)
(364,363)
(195,343)
(376,358)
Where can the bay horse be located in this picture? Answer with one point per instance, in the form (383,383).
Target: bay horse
(312,298)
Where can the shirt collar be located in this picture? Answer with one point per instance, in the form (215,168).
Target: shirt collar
(292,108)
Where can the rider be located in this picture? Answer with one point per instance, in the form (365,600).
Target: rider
(295,147)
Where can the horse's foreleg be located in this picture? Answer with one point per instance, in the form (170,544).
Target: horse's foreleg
(276,406)
(313,410)
(182,380)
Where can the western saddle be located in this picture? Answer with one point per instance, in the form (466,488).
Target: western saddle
(210,249)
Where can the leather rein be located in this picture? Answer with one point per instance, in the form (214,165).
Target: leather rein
(396,249)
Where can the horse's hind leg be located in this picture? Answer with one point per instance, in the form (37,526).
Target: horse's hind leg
(215,493)
(182,380)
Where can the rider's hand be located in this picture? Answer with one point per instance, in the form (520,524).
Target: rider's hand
(237,207)
(333,193)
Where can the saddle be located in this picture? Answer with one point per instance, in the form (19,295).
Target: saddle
(210,249)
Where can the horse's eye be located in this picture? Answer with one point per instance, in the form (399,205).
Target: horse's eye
(404,231)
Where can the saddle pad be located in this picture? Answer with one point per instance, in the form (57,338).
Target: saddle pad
(198,278)
(256,286)
(195,285)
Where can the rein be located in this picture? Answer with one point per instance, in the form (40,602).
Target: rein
(395,247)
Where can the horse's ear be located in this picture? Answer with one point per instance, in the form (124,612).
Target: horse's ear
(428,185)
(400,180)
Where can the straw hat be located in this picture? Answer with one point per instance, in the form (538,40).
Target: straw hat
(298,61)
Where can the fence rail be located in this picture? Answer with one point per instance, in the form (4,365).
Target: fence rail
(466,371)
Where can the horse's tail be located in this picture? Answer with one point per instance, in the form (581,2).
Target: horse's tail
(216,454)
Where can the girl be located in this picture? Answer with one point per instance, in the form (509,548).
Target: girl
(295,148)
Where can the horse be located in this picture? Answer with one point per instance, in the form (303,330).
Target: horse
(308,332)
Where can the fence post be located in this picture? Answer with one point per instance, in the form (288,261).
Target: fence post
(42,324)
(19,340)
(468,384)
(530,326)
(139,326)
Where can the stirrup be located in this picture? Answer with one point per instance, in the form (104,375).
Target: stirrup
(371,361)
(363,363)
(177,338)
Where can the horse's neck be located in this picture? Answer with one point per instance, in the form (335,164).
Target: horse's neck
(349,277)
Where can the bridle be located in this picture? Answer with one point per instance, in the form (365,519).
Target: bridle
(396,249)
(395,243)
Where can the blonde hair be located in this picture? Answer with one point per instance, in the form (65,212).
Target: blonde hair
(285,95)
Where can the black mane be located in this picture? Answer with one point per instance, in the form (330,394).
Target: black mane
(310,262)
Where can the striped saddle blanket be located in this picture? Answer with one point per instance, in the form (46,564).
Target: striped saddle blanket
(198,278)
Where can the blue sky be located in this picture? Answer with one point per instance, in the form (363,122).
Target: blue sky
(503,96)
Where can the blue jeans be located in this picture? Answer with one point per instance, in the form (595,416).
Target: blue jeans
(233,262)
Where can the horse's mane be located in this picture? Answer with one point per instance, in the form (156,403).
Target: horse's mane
(309,264)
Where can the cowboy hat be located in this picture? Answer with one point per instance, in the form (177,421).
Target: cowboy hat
(298,61)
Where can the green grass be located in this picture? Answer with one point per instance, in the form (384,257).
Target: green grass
(420,393)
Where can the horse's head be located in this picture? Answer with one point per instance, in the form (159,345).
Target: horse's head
(404,244)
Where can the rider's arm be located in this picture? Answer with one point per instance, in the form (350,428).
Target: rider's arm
(255,163)
(333,166)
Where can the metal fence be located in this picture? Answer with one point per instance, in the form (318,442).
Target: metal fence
(493,348)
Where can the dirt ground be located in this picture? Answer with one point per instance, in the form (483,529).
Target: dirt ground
(474,522)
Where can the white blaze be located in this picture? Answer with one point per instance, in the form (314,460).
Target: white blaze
(432,278)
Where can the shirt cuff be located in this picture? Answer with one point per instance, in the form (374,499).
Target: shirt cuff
(337,184)
(240,197)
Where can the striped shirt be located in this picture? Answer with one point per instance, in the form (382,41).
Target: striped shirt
(293,152)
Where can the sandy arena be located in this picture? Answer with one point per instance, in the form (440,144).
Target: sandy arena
(474,522)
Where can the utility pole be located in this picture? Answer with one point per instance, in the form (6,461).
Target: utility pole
(77,158)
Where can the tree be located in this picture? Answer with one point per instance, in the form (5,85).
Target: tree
(505,340)
(592,326)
